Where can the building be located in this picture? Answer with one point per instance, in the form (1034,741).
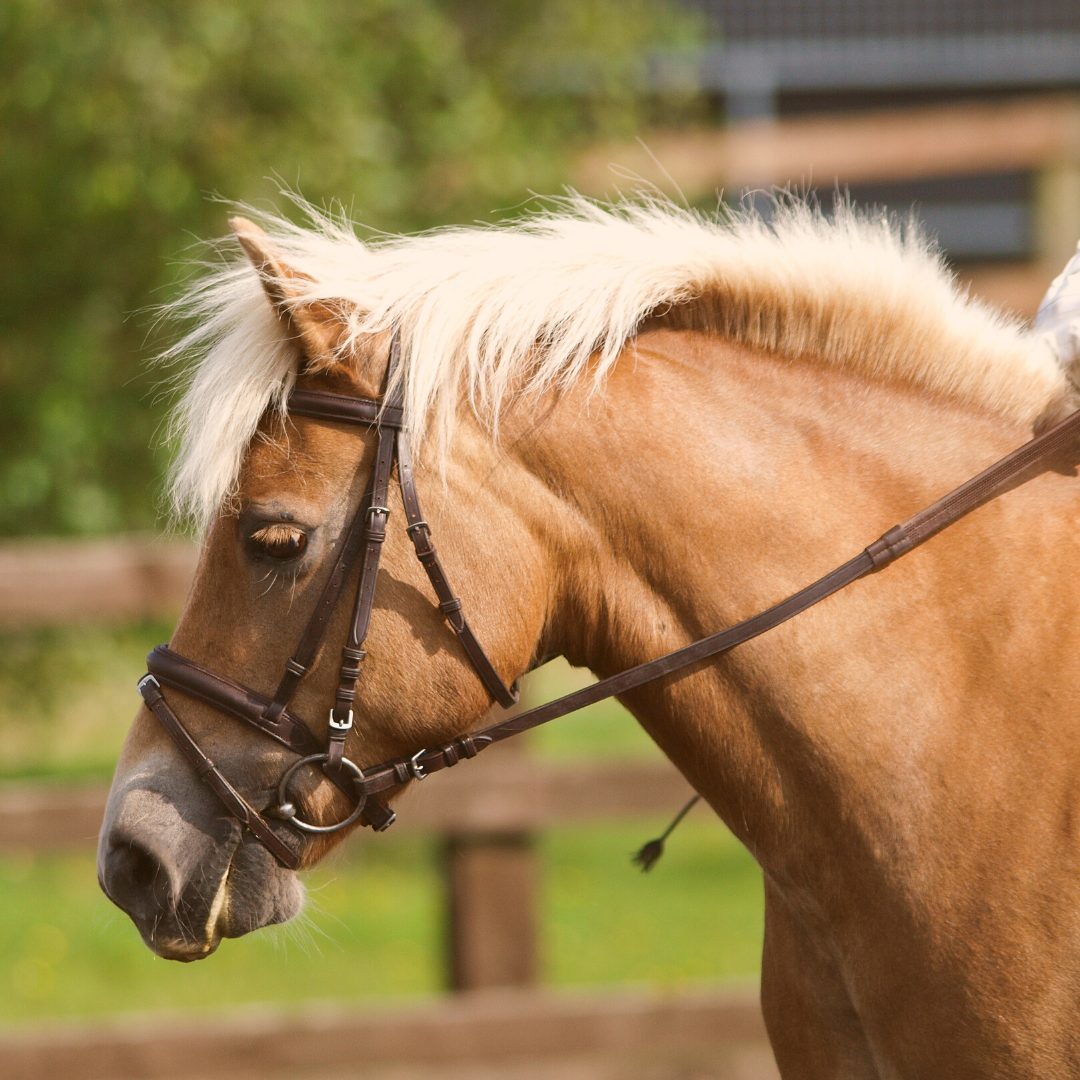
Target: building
(780,59)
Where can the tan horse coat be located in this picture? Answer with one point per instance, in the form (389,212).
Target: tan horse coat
(903,760)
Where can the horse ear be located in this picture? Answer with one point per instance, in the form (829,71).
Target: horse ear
(318,326)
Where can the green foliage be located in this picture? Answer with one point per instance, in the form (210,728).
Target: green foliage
(120,116)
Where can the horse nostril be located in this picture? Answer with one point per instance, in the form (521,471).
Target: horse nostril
(135,880)
(143,869)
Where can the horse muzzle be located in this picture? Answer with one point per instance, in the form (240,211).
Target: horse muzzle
(186,874)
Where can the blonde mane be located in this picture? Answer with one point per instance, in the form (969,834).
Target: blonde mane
(490,312)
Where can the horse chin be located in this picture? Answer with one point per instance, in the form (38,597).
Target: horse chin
(256,892)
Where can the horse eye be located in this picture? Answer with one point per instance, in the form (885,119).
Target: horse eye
(279,541)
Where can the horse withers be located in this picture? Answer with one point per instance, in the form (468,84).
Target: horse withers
(634,428)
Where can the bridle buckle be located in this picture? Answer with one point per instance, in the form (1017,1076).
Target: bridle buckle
(415,768)
(344,725)
(148,680)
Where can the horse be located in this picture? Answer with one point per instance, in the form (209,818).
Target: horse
(635,425)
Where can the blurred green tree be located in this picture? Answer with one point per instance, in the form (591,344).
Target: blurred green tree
(119,117)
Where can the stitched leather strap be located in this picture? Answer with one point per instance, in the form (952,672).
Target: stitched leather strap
(182,674)
(352,654)
(190,678)
(296,667)
(391,774)
(420,533)
(367,533)
(1011,471)
(347,410)
(210,774)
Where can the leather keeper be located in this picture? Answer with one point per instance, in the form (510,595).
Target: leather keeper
(889,546)
(378,815)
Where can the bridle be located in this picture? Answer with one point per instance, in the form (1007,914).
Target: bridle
(363,543)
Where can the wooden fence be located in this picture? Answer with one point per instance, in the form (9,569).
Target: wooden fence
(509,1035)
(498,1026)
(64,581)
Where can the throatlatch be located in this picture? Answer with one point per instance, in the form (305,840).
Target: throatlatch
(363,542)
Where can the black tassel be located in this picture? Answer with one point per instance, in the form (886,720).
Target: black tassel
(646,858)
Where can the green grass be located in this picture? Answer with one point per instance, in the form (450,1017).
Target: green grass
(373,928)
(698,914)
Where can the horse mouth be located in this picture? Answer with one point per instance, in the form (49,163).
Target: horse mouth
(218,913)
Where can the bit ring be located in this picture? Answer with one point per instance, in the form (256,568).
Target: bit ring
(287,811)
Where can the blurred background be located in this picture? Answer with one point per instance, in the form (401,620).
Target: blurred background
(123,126)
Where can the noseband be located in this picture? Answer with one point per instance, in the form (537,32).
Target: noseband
(363,543)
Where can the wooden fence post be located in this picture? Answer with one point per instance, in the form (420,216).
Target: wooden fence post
(491,882)
(491,879)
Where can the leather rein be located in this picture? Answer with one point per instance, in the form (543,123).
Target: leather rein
(363,543)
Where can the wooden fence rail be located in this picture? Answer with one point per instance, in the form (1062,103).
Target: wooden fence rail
(512,794)
(111,580)
(1040,135)
(713,1035)
(894,144)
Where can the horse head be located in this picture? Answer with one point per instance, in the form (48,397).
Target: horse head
(187,872)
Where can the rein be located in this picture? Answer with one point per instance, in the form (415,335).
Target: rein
(362,544)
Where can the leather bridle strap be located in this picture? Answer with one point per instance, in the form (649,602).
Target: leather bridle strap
(420,533)
(341,409)
(230,697)
(376,514)
(206,770)
(363,541)
(1011,470)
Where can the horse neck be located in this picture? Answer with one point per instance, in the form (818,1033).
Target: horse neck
(706,483)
